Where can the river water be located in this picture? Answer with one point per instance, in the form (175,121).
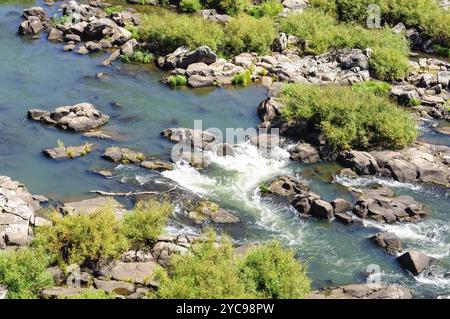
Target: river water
(37,74)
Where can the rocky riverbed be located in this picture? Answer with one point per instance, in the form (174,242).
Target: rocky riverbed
(300,193)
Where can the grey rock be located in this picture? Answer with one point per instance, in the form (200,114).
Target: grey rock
(415,262)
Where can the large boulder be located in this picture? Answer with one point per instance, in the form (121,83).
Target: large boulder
(363,163)
(415,262)
(305,153)
(134,272)
(321,209)
(388,241)
(123,155)
(287,186)
(209,211)
(195,138)
(202,54)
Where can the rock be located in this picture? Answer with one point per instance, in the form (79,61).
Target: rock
(363,163)
(136,256)
(69,47)
(72,37)
(82,50)
(93,46)
(59,277)
(388,241)
(244,59)
(104,172)
(399,28)
(98,134)
(415,262)
(199,81)
(35,12)
(401,170)
(209,211)
(87,206)
(55,35)
(287,186)
(195,138)
(341,206)
(202,54)
(212,15)
(305,153)
(80,117)
(168,245)
(123,155)
(138,273)
(225,149)
(115,287)
(265,141)
(362,291)
(33,26)
(120,36)
(3,292)
(62,292)
(158,165)
(343,218)
(321,209)
(62,152)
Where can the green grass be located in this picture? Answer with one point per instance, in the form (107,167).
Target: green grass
(177,80)
(349,117)
(24,272)
(443,51)
(139,57)
(212,272)
(93,294)
(243,78)
(190,6)
(376,87)
(145,223)
(321,32)
(267,8)
(425,15)
(113,9)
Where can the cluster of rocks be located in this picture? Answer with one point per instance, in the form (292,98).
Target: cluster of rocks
(426,89)
(36,21)
(17,213)
(206,211)
(421,162)
(81,117)
(382,205)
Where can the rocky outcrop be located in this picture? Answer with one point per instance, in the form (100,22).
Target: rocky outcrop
(17,213)
(63,152)
(36,21)
(87,206)
(362,291)
(81,117)
(380,204)
(415,262)
(190,137)
(287,186)
(172,244)
(362,163)
(209,211)
(388,241)
(305,153)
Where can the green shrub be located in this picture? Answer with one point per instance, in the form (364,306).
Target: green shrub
(443,51)
(376,87)
(211,271)
(113,9)
(243,78)
(170,31)
(60,20)
(231,7)
(268,8)
(320,33)
(247,34)
(93,294)
(425,15)
(177,80)
(190,5)
(139,57)
(24,273)
(82,239)
(349,117)
(145,223)
(274,273)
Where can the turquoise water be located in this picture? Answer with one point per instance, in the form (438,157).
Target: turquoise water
(37,74)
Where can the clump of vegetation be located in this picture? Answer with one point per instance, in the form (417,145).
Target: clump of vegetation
(70,152)
(170,31)
(267,8)
(87,148)
(113,9)
(211,271)
(321,32)
(247,34)
(231,7)
(425,15)
(190,5)
(440,50)
(264,188)
(140,57)
(376,87)
(60,20)
(414,102)
(83,239)
(243,78)
(24,273)
(349,117)
(145,222)
(274,273)
(177,80)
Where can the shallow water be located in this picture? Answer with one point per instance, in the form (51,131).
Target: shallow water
(36,74)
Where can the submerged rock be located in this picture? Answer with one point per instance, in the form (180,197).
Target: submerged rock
(78,118)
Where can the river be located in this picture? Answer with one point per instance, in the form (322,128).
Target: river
(38,74)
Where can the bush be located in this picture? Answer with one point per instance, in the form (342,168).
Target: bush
(247,34)
(243,78)
(145,223)
(24,273)
(349,117)
(170,31)
(211,271)
(274,273)
(177,80)
(425,15)
(376,87)
(82,239)
(190,5)
(231,7)
(268,8)
(321,32)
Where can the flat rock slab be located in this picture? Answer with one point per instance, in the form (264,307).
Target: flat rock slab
(89,205)
(62,152)
(116,287)
(62,292)
(138,273)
